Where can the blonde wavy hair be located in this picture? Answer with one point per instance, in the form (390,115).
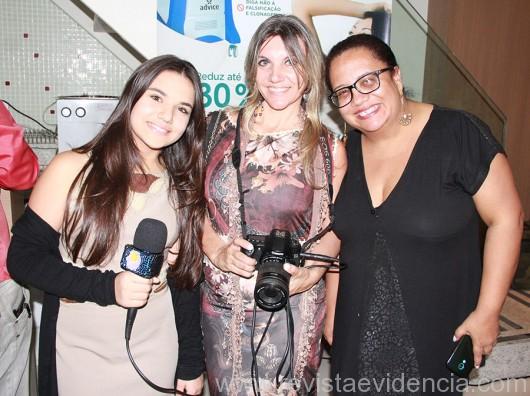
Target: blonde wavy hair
(305,52)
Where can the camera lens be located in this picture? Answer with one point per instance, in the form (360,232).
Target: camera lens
(269,296)
(272,287)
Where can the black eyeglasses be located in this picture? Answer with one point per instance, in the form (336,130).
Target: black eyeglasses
(365,84)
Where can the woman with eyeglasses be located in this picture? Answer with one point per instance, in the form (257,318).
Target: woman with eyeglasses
(420,178)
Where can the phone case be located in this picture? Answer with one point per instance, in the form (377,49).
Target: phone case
(461,360)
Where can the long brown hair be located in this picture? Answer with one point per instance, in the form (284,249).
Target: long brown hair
(93,219)
(304,49)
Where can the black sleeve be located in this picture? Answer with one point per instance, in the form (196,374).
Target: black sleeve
(186,304)
(477,149)
(34,259)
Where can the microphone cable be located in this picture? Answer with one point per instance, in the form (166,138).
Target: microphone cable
(149,240)
(128,330)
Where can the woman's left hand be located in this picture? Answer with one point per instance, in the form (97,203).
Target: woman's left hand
(191,387)
(483,328)
(302,279)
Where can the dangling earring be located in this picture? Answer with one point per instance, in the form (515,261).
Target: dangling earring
(305,95)
(344,137)
(258,111)
(405,118)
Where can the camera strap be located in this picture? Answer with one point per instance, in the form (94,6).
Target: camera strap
(212,132)
(236,161)
(327,159)
(328,164)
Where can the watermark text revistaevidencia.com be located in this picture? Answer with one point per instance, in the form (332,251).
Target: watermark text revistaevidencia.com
(398,385)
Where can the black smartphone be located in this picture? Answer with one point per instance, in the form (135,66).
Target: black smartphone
(461,361)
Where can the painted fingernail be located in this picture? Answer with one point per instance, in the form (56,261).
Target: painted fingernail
(454,338)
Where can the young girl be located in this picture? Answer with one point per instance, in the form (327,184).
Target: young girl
(145,163)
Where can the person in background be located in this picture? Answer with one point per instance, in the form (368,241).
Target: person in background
(19,168)
(283,152)
(145,163)
(420,178)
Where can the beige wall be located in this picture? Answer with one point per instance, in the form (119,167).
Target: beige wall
(492,40)
(13,205)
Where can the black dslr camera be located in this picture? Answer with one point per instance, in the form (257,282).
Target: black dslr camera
(271,252)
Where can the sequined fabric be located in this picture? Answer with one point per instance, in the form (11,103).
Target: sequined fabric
(386,349)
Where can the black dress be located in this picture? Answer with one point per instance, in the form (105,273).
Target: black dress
(413,264)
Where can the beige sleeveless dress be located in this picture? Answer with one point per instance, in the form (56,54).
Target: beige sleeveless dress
(90,345)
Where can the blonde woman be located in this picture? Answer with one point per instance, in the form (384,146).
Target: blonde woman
(281,160)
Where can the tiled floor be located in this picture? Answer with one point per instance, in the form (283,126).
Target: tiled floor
(512,387)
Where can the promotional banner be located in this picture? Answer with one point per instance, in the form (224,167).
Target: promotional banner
(214,35)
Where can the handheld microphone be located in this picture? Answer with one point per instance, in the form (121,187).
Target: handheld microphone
(144,257)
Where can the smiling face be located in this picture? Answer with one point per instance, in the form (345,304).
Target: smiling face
(161,115)
(367,112)
(277,79)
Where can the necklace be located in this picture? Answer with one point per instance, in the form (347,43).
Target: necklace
(263,141)
(258,115)
(255,134)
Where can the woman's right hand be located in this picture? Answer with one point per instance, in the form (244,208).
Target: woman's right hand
(132,291)
(231,259)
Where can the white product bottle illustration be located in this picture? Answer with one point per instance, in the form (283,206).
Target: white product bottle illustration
(209,21)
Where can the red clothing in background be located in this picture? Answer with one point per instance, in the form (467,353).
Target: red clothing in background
(18,171)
